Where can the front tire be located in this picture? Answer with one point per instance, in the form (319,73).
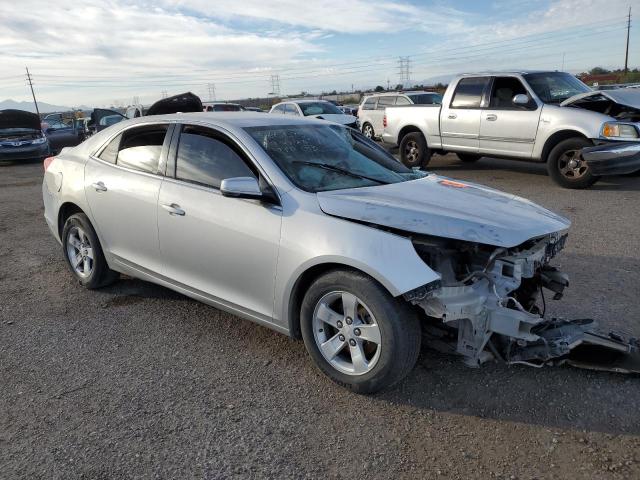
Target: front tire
(566,166)
(83,253)
(414,151)
(357,334)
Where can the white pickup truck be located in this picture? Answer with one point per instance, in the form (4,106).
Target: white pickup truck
(535,116)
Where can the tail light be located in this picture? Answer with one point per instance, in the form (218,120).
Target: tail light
(47,162)
(384,121)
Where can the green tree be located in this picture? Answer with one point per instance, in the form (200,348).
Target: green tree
(379,88)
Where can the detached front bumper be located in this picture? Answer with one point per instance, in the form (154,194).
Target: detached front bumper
(613,158)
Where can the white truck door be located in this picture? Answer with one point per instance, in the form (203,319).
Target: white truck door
(507,128)
(460,118)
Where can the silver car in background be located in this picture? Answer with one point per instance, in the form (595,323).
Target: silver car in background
(311,229)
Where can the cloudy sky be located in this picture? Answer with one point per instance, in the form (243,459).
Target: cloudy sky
(97,52)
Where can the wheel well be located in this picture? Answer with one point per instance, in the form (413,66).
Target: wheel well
(408,129)
(555,139)
(66,210)
(302,285)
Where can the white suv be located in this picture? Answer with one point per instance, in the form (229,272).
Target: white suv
(371,110)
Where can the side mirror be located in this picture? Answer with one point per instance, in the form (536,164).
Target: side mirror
(521,99)
(241,187)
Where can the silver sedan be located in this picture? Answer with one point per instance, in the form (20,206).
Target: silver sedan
(308,228)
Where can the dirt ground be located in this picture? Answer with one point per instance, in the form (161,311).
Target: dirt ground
(135,381)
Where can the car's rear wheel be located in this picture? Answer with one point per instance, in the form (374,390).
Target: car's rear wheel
(84,254)
(367,130)
(357,333)
(567,167)
(468,157)
(414,151)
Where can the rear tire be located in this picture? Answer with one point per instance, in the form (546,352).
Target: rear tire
(83,253)
(367,131)
(468,157)
(414,151)
(375,356)
(566,166)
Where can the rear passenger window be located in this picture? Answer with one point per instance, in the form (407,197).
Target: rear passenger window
(384,102)
(204,157)
(369,104)
(110,152)
(468,93)
(140,148)
(403,101)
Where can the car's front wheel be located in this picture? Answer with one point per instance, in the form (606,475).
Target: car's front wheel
(83,253)
(357,333)
(566,166)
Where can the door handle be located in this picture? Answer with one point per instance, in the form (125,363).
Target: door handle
(491,117)
(174,209)
(99,186)
(452,116)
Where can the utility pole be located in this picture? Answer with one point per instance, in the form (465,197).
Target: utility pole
(626,55)
(32,94)
(562,69)
(388,84)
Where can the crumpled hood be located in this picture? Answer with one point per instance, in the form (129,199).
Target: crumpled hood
(11,118)
(447,208)
(629,97)
(340,118)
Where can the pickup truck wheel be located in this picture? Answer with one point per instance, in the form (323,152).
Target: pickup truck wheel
(567,167)
(414,151)
(357,334)
(468,157)
(367,131)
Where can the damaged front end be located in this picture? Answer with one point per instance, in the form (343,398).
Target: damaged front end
(490,304)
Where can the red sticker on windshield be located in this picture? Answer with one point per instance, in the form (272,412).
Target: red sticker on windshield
(453,183)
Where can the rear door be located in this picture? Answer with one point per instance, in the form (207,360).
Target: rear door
(505,128)
(220,247)
(460,118)
(122,183)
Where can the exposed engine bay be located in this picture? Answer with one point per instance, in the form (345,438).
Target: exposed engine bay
(622,104)
(490,304)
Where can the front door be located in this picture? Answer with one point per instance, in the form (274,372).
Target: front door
(507,129)
(460,118)
(223,247)
(122,184)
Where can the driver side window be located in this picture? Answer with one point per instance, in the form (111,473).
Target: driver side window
(503,91)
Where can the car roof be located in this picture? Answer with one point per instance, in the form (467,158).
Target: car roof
(407,92)
(508,72)
(231,120)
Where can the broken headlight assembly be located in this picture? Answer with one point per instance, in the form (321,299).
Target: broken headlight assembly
(619,131)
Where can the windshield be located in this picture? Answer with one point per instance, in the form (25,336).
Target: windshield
(318,158)
(555,87)
(426,98)
(319,108)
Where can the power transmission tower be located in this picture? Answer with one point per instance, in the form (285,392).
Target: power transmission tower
(404,64)
(136,100)
(29,79)
(275,85)
(212,91)
(626,55)
(164,94)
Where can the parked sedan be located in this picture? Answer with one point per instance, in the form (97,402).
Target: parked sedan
(321,109)
(313,230)
(21,136)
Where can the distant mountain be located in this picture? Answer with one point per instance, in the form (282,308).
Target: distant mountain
(29,107)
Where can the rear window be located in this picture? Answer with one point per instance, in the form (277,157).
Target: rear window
(226,108)
(369,104)
(468,93)
(426,99)
(386,101)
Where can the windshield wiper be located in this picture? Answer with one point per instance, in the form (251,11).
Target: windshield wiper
(333,168)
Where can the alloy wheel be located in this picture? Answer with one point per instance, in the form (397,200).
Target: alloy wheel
(80,252)
(411,152)
(572,165)
(346,333)
(368,131)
